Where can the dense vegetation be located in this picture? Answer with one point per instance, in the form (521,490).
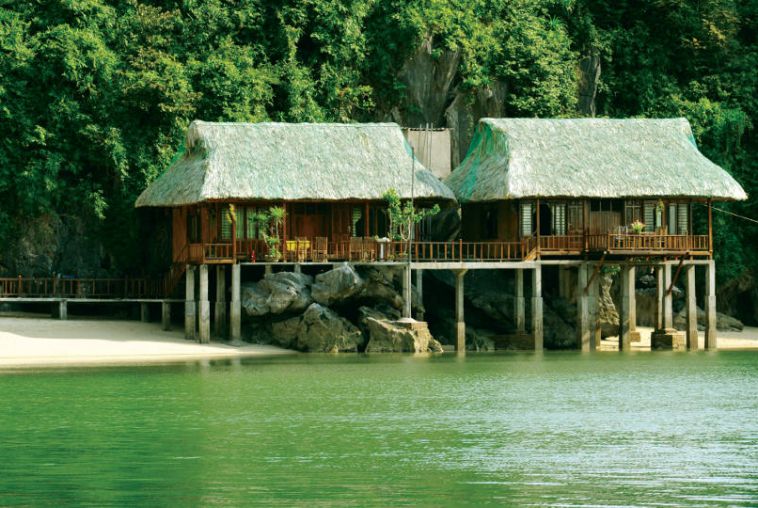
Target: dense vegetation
(95,94)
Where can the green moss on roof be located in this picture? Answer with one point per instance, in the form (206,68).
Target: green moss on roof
(281,161)
(513,158)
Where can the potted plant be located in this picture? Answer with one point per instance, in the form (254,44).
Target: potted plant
(637,227)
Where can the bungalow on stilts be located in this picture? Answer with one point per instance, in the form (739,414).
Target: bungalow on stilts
(584,193)
(267,193)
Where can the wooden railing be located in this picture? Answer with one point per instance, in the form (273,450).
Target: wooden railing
(370,249)
(564,243)
(657,243)
(62,287)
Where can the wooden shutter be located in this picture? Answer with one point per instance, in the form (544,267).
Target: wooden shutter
(526,219)
(648,215)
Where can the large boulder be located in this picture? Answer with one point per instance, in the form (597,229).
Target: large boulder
(336,285)
(402,336)
(380,285)
(608,316)
(277,293)
(318,330)
(724,323)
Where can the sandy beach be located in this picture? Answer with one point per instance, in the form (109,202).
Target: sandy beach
(37,341)
(746,339)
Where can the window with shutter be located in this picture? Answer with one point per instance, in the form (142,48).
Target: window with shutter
(648,215)
(526,219)
(226,224)
(683,218)
(558,211)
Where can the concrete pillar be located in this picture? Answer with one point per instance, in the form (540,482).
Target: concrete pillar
(407,301)
(668,298)
(519,303)
(710,306)
(297,268)
(660,289)
(144,312)
(596,333)
(204,308)
(166,315)
(268,269)
(537,326)
(690,308)
(219,323)
(582,309)
(627,313)
(190,308)
(235,308)
(63,310)
(460,323)
(420,291)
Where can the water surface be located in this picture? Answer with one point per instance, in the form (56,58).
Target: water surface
(561,429)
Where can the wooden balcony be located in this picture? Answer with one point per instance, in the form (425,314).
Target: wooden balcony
(62,287)
(370,250)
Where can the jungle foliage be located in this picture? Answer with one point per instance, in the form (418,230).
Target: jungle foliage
(95,95)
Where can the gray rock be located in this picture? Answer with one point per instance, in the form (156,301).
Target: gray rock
(478,339)
(404,336)
(336,285)
(608,316)
(284,333)
(321,330)
(277,293)
(724,323)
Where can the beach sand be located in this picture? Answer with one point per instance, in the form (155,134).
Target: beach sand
(746,339)
(38,341)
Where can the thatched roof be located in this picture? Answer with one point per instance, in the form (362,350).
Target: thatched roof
(513,158)
(281,161)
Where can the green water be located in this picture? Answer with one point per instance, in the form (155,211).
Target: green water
(567,429)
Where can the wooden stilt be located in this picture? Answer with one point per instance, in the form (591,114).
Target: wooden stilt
(190,308)
(710,306)
(519,302)
(691,309)
(537,325)
(235,307)
(204,308)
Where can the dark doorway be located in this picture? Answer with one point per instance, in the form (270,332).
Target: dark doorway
(546,220)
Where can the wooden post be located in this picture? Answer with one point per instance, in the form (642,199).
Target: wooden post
(690,307)
(234,233)
(166,315)
(627,316)
(235,309)
(710,229)
(144,312)
(519,301)
(460,323)
(204,307)
(190,309)
(537,326)
(537,212)
(219,323)
(660,288)
(420,293)
(668,299)
(710,306)
(583,310)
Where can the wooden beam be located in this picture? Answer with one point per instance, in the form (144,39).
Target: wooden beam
(710,227)
(594,273)
(537,212)
(676,275)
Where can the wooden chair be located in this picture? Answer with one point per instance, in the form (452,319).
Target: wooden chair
(369,248)
(356,248)
(303,246)
(320,252)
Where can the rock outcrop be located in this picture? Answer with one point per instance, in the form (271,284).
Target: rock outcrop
(402,336)
(277,293)
(336,285)
(724,323)
(318,330)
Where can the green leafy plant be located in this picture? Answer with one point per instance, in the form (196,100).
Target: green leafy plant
(403,216)
(269,224)
(637,227)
